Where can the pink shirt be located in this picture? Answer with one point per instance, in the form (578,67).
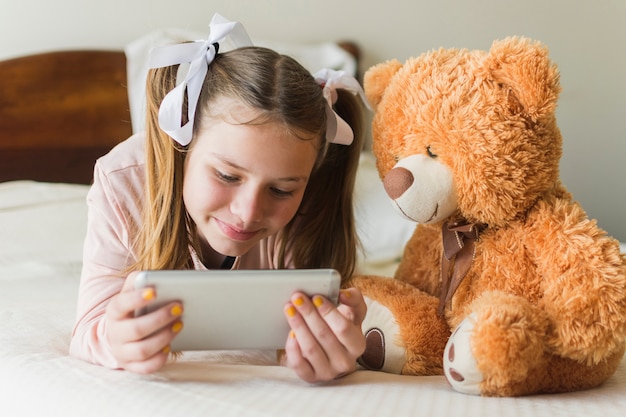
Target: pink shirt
(114,210)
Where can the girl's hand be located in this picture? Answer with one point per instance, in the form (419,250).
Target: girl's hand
(325,341)
(140,344)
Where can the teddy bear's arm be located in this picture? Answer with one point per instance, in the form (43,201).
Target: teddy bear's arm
(583,279)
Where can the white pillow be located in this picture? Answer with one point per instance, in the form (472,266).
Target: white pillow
(312,56)
(383,232)
(41,222)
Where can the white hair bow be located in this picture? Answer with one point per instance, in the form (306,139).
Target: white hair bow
(337,130)
(199,55)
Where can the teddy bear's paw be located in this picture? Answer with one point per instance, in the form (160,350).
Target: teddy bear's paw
(380,330)
(459,364)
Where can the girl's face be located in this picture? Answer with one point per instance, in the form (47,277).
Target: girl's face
(243,183)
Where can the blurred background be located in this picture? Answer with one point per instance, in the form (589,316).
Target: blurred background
(587,39)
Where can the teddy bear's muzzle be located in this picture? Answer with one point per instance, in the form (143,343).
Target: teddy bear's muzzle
(422,189)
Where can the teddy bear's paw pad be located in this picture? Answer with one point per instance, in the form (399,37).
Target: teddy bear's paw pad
(380,330)
(374,355)
(459,364)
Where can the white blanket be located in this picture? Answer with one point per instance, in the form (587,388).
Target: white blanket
(41,233)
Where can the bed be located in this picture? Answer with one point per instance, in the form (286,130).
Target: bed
(58,112)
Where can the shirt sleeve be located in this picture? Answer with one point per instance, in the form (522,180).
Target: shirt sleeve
(106,254)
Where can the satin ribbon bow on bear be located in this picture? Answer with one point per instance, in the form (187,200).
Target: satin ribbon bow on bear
(459,238)
(199,55)
(337,130)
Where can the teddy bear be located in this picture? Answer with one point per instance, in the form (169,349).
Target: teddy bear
(506,286)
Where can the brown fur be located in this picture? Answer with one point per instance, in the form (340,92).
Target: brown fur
(548,286)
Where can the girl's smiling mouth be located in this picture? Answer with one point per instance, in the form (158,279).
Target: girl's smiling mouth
(235,233)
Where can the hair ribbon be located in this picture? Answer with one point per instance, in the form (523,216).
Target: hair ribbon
(198,54)
(337,130)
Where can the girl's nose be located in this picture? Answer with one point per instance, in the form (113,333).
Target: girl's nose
(248,205)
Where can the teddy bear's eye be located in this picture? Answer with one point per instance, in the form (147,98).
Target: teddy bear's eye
(430,152)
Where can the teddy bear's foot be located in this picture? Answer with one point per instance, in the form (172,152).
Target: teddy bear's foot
(459,364)
(379,328)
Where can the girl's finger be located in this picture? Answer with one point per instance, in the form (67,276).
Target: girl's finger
(153,345)
(133,329)
(338,335)
(126,303)
(352,305)
(308,324)
(295,361)
(319,343)
(151,364)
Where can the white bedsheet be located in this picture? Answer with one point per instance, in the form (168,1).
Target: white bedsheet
(41,233)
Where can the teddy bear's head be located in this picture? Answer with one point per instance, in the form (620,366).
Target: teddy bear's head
(469,132)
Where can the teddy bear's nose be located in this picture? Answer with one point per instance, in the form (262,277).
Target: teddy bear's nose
(397,181)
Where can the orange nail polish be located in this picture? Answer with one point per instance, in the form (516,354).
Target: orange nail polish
(298,301)
(291,311)
(292,334)
(317,301)
(176,310)
(148,294)
(177,327)
(166,349)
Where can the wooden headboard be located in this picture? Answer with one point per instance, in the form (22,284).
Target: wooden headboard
(60,111)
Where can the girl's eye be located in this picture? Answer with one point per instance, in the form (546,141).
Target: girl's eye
(281,193)
(225,177)
(430,152)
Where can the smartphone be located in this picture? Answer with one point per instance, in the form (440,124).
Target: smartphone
(235,309)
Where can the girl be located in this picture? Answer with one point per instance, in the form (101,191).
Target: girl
(240,167)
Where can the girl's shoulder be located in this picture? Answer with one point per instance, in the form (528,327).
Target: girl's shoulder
(119,176)
(129,154)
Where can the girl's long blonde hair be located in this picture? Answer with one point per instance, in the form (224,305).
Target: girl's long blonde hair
(322,234)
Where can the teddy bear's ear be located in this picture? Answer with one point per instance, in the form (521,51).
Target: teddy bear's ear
(376,80)
(523,66)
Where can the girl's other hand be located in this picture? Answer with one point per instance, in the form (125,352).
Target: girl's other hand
(140,344)
(325,340)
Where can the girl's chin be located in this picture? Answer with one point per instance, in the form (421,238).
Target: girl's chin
(230,249)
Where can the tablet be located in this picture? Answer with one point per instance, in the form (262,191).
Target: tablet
(235,309)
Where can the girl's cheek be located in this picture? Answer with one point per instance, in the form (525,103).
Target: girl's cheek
(290,210)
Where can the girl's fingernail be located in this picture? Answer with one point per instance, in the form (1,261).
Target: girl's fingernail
(148,294)
(177,327)
(176,310)
(317,301)
(291,311)
(298,301)
(292,334)
(166,349)
(346,293)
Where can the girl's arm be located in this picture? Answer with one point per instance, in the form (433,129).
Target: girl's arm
(106,332)
(105,255)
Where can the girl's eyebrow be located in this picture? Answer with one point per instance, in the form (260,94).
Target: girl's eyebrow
(302,178)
